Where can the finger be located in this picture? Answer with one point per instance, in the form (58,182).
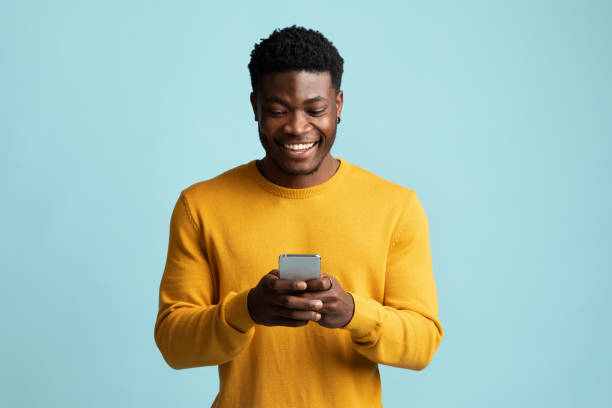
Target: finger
(298,303)
(324,282)
(288,285)
(269,280)
(293,314)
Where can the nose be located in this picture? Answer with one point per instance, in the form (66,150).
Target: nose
(297,124)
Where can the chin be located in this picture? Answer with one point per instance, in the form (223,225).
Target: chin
(299,169)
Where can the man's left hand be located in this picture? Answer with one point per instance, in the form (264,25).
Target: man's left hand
(338,305)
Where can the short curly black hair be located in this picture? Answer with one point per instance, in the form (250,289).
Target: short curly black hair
(295,49)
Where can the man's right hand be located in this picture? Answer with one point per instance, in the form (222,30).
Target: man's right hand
(270,307)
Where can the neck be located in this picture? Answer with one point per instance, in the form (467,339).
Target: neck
(269,169)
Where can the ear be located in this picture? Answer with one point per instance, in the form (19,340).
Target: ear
(339,102)
(254,105)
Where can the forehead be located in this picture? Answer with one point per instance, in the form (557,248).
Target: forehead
(296,85)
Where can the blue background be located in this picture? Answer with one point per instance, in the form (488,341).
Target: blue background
(497,113)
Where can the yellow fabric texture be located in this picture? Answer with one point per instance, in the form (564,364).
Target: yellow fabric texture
(226,233)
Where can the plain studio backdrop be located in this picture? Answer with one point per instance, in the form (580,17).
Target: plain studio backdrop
(498,114)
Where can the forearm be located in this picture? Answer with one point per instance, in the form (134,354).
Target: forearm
(400,338)
(189,335)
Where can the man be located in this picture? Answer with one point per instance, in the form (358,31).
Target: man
(221,299)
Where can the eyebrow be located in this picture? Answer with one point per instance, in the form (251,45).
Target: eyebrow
(278,100)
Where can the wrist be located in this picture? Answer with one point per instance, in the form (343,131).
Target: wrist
(249,301)
(352,309)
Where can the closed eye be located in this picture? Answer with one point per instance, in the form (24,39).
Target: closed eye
(316,112)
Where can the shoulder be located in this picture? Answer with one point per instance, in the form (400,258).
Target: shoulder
(369,183)
(400,205)
(398,202)
(230,182)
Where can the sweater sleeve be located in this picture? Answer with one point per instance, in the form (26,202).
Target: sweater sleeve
(405,330)
(192,328)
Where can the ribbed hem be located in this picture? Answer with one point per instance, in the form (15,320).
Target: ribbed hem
(297,193)
(365,319)
(237,313)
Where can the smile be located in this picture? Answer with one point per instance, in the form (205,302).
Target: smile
(299,147)
(296,150)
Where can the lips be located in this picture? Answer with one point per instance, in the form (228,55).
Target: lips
(297,149)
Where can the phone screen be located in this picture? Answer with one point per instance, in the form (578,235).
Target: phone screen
(299,266)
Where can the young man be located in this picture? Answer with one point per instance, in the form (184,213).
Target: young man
(221,299)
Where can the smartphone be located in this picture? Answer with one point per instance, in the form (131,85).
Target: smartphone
(299,266)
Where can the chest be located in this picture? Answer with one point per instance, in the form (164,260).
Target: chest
(351,238)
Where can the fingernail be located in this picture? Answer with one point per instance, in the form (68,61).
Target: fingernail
(300,285)
(317,316)
(317,304)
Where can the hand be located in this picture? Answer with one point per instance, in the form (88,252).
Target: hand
(270,307)
(338,305)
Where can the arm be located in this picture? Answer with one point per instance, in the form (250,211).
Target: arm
(404,331)
(192,329)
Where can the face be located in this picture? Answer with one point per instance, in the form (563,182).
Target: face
(297,113)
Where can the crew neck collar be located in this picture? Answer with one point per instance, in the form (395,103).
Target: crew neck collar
(297,193)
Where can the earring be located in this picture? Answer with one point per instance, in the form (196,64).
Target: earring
(338,120)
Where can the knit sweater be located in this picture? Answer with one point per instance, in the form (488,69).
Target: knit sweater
(226,233)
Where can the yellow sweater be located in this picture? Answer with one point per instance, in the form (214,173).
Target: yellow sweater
(227,233)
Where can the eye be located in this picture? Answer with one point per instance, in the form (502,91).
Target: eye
(275,113)
(318,112)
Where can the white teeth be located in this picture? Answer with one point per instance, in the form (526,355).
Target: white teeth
(299,146)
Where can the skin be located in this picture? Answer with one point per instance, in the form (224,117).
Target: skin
(298,107)
(319,301)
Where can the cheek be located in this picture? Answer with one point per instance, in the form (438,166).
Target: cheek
(324,125)
(328,128)
(270,126)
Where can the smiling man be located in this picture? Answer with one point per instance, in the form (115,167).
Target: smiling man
(221,299)
(297,113)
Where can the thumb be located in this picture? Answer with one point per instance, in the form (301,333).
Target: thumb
(270,278)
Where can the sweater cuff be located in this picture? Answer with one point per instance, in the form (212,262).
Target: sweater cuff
(365,318)
(237,313)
